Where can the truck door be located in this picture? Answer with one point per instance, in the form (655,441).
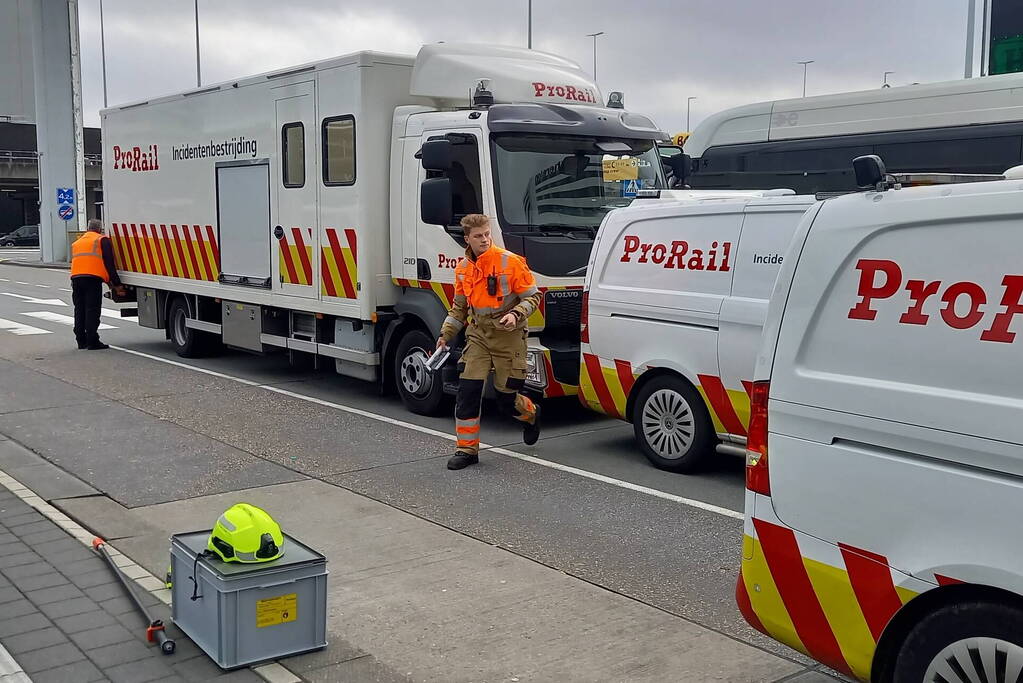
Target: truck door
(295,230)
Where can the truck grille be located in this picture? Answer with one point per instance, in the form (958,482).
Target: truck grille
(563,310)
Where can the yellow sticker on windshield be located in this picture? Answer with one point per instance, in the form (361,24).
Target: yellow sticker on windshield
(620,169)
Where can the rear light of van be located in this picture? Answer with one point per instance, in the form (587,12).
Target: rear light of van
(584,319)
(757,476)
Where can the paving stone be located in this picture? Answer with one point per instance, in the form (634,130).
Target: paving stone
(45,537)
(101,637)
(200,668)
(119,653)
(26,530)
(239,676)
(29,516)
(68,608)
(49,658)
(30,622)
(78,672)
(23,570)
(118,606)
(84,621)
(170,679)
(34,640)
(12,557)
(63,545)
(31,583)
(106,591)
(9,593)
(80,566)
(93,578)
(18,608)
(45,596)
(4,583)
(73,555)
(141,671)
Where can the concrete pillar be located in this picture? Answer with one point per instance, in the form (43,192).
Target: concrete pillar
(58,120)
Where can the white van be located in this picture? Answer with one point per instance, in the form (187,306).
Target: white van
(674,302)
(885,464)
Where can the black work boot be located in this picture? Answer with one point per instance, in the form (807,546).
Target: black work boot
(461,460)
(97,346)
(531,430)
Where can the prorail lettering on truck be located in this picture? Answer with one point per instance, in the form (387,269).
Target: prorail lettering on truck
(869,290)
(678,255)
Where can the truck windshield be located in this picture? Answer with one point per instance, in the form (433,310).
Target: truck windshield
(550,183)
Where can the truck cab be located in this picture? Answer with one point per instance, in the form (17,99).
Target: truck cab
(534,149)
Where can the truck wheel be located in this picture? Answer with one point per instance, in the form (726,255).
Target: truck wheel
(187,343)
(672,426)
(963,642)
(420,391)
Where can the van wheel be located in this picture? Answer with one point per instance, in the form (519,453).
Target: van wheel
(187,343)
(420,391)
(961,643)
(672,426)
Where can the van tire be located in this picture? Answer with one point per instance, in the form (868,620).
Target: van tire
(928,643)
(187,343)
(672,426)
(422,393)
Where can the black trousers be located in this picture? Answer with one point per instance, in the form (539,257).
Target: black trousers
(87,296)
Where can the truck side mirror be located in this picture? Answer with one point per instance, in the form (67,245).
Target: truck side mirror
(680,165)
(436,155)
(435,200)
(870,171)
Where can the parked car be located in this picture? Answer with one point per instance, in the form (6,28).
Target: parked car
(25,236)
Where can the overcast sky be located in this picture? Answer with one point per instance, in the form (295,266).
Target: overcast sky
(659,52)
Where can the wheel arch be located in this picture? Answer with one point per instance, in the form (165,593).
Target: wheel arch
(653,372)
(903,621)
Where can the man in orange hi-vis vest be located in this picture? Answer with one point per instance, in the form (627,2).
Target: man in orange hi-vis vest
(92,264)
(495,293)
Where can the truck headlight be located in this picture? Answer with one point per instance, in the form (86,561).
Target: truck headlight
(535,374)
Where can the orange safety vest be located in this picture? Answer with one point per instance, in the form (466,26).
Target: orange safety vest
(87,256)
(512,279)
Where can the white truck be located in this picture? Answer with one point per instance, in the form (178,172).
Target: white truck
(675,299)
(315,209)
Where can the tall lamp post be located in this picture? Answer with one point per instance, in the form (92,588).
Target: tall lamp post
(529,24)
(103,53)
(198,72)
(804,63)
(885,84)
(689,102)
(594,36)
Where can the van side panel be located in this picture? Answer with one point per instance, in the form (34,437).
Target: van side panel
(898,387)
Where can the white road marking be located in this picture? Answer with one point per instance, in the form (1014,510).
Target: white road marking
(43,286)
(664,495)
(113,313)
(34,300)
(62,319)
(63,289)
(19,282)
(3,279)
(20,329)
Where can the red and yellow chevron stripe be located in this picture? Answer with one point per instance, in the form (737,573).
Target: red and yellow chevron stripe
(185,251)
(605,386)
(296,258)
(444,291)
(555,389)
(835,614)
(339,259)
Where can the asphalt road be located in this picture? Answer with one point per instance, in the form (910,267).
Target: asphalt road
(583,500)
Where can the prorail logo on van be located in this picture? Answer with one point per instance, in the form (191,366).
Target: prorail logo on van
(677,255)
(971,293)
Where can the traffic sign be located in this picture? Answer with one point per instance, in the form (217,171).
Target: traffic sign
(630,188)
(66,212)
(65,195)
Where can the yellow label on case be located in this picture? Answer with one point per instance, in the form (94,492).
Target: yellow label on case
(273,611)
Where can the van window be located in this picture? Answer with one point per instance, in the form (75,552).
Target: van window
(338,135)
(293,144)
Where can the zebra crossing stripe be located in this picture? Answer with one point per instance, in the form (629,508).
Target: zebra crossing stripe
(20,329)
(62,319)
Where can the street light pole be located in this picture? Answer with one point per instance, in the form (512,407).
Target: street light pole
(804,63)
(885,84)
(198,72)
(103,52)
(594,36)
(689,101)
(971,30)
(529,24)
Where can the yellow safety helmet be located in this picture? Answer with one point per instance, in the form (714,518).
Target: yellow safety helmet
(246,533)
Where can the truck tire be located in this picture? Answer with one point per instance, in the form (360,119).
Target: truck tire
(187,343)
(672,426)
(955,642)
(420,391)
